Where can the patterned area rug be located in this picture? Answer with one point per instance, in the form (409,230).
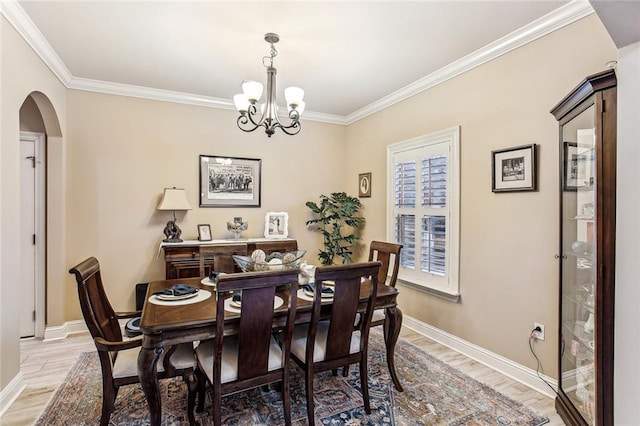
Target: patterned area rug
(435,394)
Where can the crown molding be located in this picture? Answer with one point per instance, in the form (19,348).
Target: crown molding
(561,17)
(120,89)
(565,15)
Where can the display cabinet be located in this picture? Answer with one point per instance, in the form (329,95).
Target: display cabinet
(587,118)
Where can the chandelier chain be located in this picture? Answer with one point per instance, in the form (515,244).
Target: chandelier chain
(272,54)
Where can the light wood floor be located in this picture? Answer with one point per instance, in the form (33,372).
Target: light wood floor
(46,364)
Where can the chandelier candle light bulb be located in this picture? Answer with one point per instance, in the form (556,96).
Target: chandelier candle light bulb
(250,119)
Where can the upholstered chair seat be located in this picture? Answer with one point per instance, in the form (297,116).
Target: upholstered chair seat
(299,341)
(126,363)
(229,373)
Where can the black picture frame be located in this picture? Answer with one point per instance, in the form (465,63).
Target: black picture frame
(577,166)
(230,181)
(514,169)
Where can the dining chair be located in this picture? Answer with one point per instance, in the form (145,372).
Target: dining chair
(221,256)
(389,255)
(251,357)
(330,340)
(282,246)
(119,357)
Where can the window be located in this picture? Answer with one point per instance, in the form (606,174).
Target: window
(423,212)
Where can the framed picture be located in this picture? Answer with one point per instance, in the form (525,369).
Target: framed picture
(364,185)
(204,232)
(229,181)
(276,225)
(578,166)
(514,169)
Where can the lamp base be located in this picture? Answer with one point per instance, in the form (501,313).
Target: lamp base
(172,232)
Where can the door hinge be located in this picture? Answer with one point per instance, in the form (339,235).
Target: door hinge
(34,239)
(34,315)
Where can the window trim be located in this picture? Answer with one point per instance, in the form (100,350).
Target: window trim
(451,136)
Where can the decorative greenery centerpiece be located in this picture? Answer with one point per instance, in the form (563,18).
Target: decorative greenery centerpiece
(338,221)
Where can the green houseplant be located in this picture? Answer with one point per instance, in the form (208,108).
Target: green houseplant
(337,219)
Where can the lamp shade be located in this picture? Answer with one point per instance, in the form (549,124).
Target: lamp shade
(174,199)
(293,95)
(252,90)
(241,102)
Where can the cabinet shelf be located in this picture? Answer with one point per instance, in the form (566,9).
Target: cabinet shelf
(575,330)
(580,304)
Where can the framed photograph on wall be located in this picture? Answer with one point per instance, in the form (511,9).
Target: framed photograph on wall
(229,181)
(514,169)
(204,232)
(364,185)
(577,167)
(276,225)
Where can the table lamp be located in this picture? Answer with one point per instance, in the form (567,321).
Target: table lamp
(173,199)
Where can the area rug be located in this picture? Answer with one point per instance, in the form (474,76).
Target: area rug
(435,394)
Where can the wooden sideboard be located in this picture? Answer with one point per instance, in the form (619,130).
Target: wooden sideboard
(182,260)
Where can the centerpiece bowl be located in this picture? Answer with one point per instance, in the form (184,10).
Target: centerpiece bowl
(259,261)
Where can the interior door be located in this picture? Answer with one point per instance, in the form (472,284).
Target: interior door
(27,238)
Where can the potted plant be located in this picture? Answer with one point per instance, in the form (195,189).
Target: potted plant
(337,218)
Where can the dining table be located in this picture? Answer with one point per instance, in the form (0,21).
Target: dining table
(167,323)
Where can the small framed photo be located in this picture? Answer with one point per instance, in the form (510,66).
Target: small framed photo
(204,232)
(364,185)
(578,166)
(276,225)
(514,169)
(229,181)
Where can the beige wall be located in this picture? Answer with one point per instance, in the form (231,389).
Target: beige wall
(23,73)
(508,274)
(123,151)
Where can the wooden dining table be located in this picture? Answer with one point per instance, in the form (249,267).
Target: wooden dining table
(168,324)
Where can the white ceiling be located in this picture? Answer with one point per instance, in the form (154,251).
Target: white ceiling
(350,57)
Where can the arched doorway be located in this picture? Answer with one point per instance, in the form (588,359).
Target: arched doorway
(39,126)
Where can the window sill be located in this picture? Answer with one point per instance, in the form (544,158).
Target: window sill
(455,298)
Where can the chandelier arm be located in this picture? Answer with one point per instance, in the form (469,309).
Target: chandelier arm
(294,115)
(295,126)
(242,123)
(253,112)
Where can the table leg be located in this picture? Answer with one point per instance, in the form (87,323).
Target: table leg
(392,324)
(147,371)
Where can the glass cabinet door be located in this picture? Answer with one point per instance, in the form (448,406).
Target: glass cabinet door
(578,287)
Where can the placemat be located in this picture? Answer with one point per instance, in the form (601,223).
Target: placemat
(202,295)
(277,302)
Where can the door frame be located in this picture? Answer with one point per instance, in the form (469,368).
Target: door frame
(40,204)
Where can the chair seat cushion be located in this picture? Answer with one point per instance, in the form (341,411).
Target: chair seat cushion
(299,341)
(126,364)
(378,315)
(205,354)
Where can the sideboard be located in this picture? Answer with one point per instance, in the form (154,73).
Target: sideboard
(182,260)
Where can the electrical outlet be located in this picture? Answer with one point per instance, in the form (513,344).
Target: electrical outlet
(539,335)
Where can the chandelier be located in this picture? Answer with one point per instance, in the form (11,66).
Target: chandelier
(246,103)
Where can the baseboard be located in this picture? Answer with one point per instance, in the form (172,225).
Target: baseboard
(502,365)
(62,331)
(11,392)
